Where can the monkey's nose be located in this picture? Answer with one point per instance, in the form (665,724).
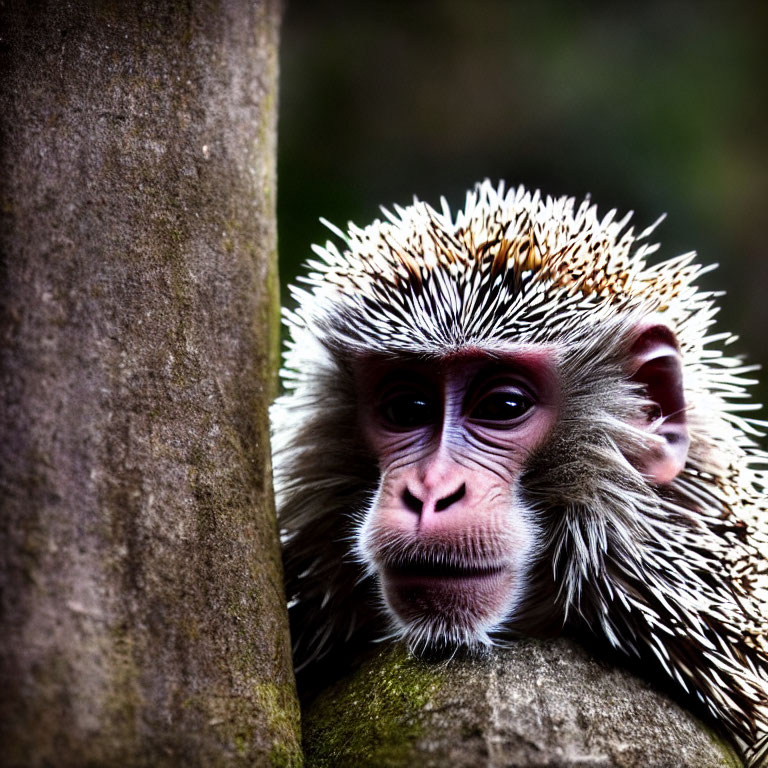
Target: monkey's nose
(446,501)
(412,502)
(415,504)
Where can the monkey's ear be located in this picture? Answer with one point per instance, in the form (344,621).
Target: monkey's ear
(655,362)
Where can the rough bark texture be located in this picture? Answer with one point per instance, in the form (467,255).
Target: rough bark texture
(142,613)
(533,704)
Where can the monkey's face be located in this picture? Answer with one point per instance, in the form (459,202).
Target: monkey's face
(449,533)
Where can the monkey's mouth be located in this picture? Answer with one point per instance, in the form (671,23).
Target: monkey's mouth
(461,595)
(418,570)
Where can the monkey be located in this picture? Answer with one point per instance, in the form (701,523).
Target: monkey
(503,422)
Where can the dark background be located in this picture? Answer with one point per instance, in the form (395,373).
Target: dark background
(653,107)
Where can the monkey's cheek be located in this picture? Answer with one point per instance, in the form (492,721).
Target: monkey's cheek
(468,603)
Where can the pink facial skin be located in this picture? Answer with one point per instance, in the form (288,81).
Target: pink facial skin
(448,533)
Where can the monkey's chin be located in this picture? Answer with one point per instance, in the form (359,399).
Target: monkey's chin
(449,606)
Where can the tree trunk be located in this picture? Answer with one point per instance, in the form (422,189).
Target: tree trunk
(534,703)
(142,615)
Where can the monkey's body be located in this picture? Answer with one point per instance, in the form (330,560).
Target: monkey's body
(507,424)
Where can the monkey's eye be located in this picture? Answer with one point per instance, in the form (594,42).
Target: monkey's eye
(407,411)
(501,406)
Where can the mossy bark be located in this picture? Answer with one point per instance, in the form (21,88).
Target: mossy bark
(142,615)
(534,703)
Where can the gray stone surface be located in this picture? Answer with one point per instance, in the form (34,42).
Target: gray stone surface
(533,704)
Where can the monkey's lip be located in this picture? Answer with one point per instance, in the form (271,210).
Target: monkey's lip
(456,594)
(422,570)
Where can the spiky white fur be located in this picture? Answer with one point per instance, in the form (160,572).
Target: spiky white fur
(677,573)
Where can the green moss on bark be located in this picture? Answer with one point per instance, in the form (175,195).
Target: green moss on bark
(387,694)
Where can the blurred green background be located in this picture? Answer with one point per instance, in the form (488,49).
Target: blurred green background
(651,106)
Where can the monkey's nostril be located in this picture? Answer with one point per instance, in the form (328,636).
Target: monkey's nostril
(410,501)
(446,502)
